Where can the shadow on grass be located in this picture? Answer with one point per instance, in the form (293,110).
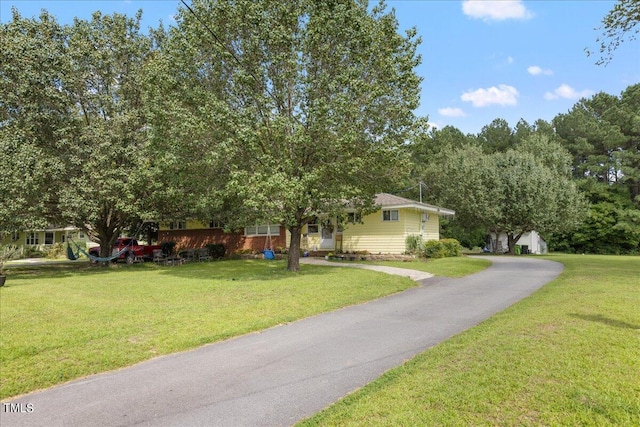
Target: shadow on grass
(605,320)
(232,270)
(242,270)
(52,271)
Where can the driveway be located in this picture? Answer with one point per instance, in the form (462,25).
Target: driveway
(284,374)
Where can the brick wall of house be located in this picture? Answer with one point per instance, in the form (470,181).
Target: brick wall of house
(233,242)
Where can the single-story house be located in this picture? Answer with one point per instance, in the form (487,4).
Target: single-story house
(531,243)
(42,239)
(384,231)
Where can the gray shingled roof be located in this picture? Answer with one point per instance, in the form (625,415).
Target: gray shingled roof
(389,200)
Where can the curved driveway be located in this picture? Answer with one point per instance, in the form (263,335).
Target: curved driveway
(284,374)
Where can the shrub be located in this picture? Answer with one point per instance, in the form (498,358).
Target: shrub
(452,247)
(168,247)
(216,250)
(55,251)
(441,248)
(413,243)
(433,249)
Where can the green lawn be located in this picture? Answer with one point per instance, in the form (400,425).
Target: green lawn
(568,355)
(63,322)
(448,267)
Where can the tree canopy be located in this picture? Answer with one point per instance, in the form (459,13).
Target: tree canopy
(618,25)
(512,191)
(292,109)
(73,124)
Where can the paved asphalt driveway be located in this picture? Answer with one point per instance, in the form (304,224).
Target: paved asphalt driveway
(284,374)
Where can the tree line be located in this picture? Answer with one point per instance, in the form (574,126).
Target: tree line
(277,112)
(575,179)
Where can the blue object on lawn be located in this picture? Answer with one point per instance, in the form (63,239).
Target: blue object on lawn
(268,254)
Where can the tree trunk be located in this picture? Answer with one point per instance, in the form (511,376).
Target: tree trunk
(293,261)
(511,241)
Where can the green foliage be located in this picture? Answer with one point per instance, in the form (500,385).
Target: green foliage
(53,310)
(469,237)
(441,248)
(512,191)
(216,250)
(56,251)
(566,355)
(452,247)
(74,135)
(618,24)
(413,243)
(603,135)
(312,110)
(168,248)
(7,253)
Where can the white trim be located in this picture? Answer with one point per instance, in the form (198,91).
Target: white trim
(391,211)
(262,230)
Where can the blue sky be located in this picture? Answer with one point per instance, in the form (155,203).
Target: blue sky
(481,60)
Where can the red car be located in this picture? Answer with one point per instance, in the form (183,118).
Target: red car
(133,252)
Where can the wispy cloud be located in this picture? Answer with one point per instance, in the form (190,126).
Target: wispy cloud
(501,95)
(451,112)
(535,70)
(567,92)
(492,10)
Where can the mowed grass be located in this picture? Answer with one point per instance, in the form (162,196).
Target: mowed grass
(568,355)
(58,323)
(447,267)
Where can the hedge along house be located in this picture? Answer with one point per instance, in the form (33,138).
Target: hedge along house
(384,231)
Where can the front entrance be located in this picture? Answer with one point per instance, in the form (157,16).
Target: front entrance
(327,236)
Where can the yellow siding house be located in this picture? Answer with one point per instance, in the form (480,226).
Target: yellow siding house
(384,231)
(42,239)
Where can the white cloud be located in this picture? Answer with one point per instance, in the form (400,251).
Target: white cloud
(451,112)
(534,70)
(510,60)
(496,10)
(567,92)
(501,95)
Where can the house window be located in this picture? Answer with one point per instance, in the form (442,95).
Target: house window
(80,235)
(177,225)
(15,236)
(390,215)
(32,239)
(216,224)
(48,237)
(354,217)
(262,230)
(313,226)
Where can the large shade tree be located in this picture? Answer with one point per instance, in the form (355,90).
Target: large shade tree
(514,191)
(283,110)
(602,133)
(73,124)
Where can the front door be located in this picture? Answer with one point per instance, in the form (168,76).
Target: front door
(327,240)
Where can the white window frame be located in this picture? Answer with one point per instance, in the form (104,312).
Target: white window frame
(315,223)
(262,230)
(216,223)
(177,225)
(51,235)
(388,215)
(32,239)
(354,218)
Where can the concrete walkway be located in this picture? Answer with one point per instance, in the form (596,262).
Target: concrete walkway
(284,374)
(412,274)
